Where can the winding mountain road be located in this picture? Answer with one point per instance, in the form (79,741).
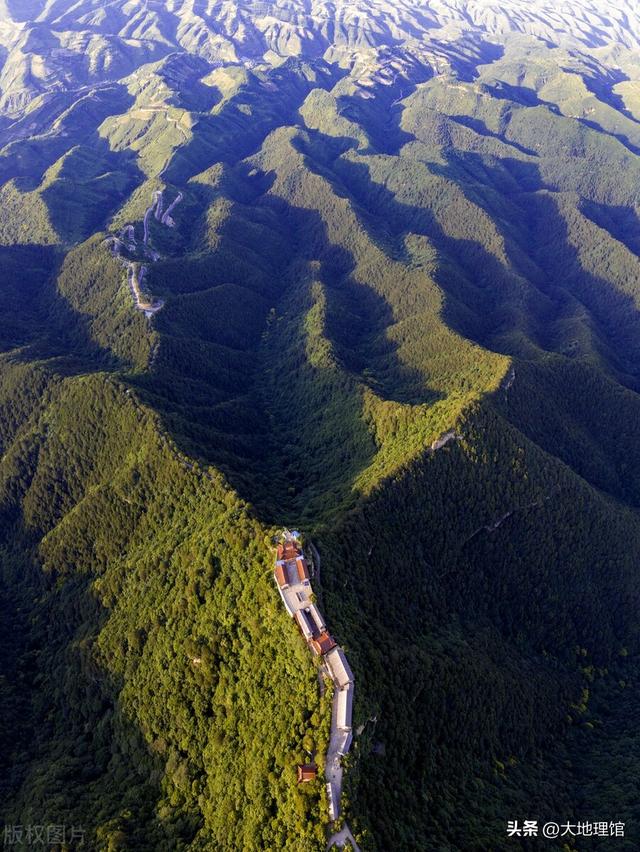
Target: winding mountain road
(166,219)
(156,205)
(135,276)
(135,271)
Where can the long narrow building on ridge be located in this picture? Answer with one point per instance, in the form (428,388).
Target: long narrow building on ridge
(291,574)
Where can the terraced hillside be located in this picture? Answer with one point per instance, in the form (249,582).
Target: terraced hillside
(397,306)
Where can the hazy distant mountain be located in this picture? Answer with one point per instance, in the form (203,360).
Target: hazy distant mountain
(369,270)
(63,44)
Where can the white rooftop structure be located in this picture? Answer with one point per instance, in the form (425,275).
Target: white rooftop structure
(314,614)
(334,807)
(295,596)
(346,744)
(339,667)
(302,620)
(345,707)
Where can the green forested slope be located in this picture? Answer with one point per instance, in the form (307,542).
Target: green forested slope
(361,264)
(157,661)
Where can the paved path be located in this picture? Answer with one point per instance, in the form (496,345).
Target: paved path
(166,219)
(341,838)
(316,561)
(156,205)
(156,208)
(141,302)
(443,440)
(333,763)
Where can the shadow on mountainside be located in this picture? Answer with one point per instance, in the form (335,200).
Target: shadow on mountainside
(63,726)
(538,297)
(81,182)
(28,159)
(539,301)
(280,420)
(262,365)
(38,324)
(268,340)
(92,183)
(263,104)
(378,108)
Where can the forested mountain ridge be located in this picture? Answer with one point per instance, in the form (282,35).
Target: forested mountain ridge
(397,222)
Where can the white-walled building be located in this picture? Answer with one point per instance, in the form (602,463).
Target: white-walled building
(345,707)
(334,806)
(318,620)
(304,623)
(339,667)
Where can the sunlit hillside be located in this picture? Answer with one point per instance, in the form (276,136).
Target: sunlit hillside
(365,269)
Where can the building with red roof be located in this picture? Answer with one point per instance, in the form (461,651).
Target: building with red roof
(282,578)
(323,643)
(307,772)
